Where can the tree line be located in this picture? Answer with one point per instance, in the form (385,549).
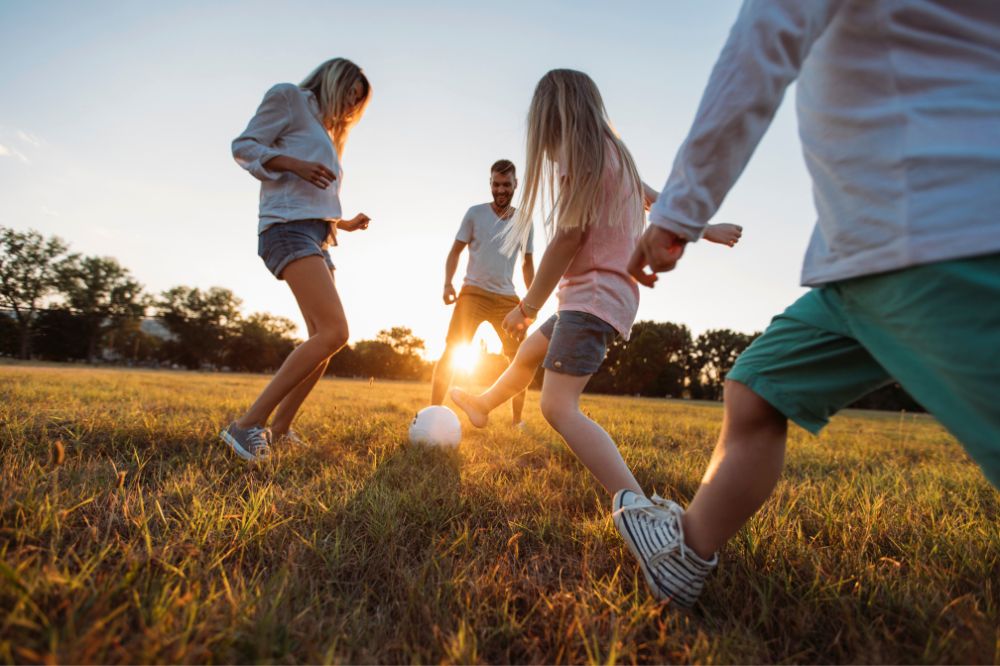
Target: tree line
(62,306)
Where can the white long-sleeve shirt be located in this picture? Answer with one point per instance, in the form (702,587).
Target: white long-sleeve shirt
(898,105)
(288,123)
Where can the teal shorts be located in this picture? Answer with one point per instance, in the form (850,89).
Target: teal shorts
(934,328)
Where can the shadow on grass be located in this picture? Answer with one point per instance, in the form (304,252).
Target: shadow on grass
(373,585)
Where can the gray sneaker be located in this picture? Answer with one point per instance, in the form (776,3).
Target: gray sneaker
(653,532)
(253,443)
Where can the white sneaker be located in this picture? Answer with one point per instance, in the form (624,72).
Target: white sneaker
(251,444)
(291,438)
(653,532)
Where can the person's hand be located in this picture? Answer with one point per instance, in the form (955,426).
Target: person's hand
(649,197)
(359,221)
(658,249)
(516,323)
(724,234)
(449,294)
(313,172)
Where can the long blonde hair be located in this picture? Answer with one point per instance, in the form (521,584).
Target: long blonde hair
(332,82)
(569,130)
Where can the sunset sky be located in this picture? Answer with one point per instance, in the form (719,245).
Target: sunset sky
(116,120)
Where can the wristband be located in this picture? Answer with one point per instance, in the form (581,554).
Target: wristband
(524,308)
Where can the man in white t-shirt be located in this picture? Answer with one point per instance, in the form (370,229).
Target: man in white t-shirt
(488,292)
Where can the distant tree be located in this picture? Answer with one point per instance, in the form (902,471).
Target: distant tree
(131,343)
(103,293)
(10,336)
(651,363)
(713,354)
(892,398)
(59,335)
(260,343)
(376,358)
(202,324)
(408,363)
(27,276)
(346,363)
(401,339)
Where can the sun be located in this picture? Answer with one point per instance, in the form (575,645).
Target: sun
(466,358)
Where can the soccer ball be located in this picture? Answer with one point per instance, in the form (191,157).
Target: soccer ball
(436,426)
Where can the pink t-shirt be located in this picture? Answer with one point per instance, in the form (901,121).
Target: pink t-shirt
(597,281)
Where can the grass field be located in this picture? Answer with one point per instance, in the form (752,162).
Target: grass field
(130,534)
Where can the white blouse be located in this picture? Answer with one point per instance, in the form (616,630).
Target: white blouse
(288,123)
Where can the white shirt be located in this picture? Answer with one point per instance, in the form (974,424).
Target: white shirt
(898,105)
(489,268)
(288,123)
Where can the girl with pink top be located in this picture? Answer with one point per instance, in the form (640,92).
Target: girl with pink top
(593,229)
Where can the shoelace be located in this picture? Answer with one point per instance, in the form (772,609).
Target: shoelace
(677,543)
(655,507)
(257,438)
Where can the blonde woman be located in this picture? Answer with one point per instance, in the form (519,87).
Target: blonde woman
(293,145)
(595,226)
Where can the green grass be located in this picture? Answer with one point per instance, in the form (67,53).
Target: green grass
(130,534)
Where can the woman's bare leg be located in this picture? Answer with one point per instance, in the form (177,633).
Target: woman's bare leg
(289,407)
(312,283)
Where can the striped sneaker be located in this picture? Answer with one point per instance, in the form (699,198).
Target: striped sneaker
(252,443)
(653,532)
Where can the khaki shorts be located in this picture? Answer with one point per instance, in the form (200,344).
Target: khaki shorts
(473,307)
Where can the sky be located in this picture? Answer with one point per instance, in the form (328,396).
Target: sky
(116,120)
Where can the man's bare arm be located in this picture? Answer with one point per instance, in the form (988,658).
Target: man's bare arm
(450,266)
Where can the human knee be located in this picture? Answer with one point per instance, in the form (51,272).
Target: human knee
(749,414)
(528,356)
(310,326)
(556,410)
(333,337)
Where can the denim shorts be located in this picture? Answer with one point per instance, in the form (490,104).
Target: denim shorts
(281,244)
(578,342)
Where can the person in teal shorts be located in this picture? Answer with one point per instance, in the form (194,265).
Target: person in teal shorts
(897,107)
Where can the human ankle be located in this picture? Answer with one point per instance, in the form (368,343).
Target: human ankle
(695,540)
(244,423)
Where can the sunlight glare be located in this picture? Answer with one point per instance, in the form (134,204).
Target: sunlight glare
(466,358)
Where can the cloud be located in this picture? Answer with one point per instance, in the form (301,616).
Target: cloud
(48,211)
(29,138)
(5,151)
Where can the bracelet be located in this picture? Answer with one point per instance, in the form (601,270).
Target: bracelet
(524,308)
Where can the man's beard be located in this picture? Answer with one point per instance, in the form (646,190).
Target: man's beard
(502,201)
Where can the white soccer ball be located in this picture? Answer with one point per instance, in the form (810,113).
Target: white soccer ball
(436,426)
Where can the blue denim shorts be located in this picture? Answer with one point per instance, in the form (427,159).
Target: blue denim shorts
(578,342)
(281,244)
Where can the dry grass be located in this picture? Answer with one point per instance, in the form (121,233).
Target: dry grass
(130,534)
